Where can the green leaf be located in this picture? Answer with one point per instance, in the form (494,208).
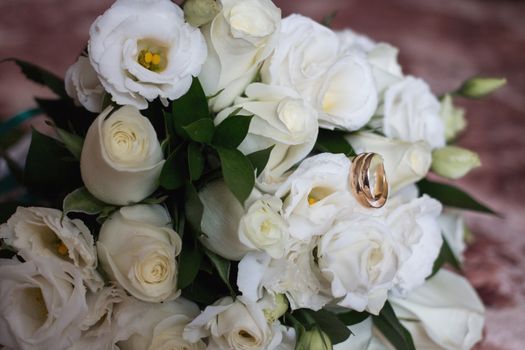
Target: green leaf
(195,161)
(50,169)
(446,256)
(333,141)
(192,106)
(328,19)
(194,209)
(72,142)
(201,130)
(232,131)
(41,76)
(451,196)
(260,158)
(353,317)
(223,268)
(388,323)
(327,321)
(173,172)
(189,264)
(238,172)
(66,115)
(81,201)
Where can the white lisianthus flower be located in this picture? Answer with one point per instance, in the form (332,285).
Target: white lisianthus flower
(448,311)
(360,258)
(296,275)
(239,39)
(83,86)
(453,228)
(307,58)
(453,118)
(237,325)
(405,162)
(39,232)
(263,228)
(137,249)
(99,328)
(42,304)
(121,158)
(220,221)
(412,113)
(142,50)
(315,193)
(145,326)
(415,228)
(280,118)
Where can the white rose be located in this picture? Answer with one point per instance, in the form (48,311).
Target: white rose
(415,228)
(220,221)
(121,159)
(144,326)
(448,311)
(142,50)
(39,232)
(412,113)
(350,40)
(307,59)
(360,258)
(315,193)
(83,86)
(263,228)
(235,325)
(296,275)
(99,328)
(453,228)
(42,304)
(239,38)
(281,118)
(364,337)
(405,162)
(137,248)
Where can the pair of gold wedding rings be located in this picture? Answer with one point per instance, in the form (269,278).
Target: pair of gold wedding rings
(368,180)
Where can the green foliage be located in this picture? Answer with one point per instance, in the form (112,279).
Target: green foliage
(222,266)
(325,320)
(388,323)
(238,172)
(260,159)
(193,209)
(353,317)
(40,76)
(66,115)
(446,256)
(189,263)
(81,201)
(451,196)
(232,131)
(71,141)
(173,172)
(333,141)
(201,130)
(196,161)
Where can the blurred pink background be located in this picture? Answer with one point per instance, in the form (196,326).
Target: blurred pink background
(442,41)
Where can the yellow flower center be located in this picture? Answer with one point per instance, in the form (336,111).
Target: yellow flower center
(150,60)
(312,200)
(62,249)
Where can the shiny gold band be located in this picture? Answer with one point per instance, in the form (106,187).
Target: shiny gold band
(368,180)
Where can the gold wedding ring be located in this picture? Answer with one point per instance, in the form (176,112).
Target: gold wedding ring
(368,180)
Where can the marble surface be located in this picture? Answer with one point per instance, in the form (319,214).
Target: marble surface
(442,41)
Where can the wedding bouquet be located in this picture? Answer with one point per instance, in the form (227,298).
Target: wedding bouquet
(220,177)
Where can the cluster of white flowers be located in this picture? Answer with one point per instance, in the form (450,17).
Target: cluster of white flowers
(301,239)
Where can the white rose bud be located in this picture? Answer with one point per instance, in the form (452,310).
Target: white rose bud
(201,12)
(454,230)
(359,257)
(121,159)
(83,86)
(137,249)
(42,304)
(447,310)
(143,50)
(405,162)
(239,39)
(46,232)
(411,113)
(314,339)
(479,87)
(453,118)
(234,325)
(263,228)
(454,162)
(145,326)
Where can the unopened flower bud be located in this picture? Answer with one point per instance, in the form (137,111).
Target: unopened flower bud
(453,118)
(479,87)
(314,339)
(454,162)
(201,12)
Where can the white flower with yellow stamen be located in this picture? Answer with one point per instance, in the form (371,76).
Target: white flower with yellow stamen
(45,232)
(142,50)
